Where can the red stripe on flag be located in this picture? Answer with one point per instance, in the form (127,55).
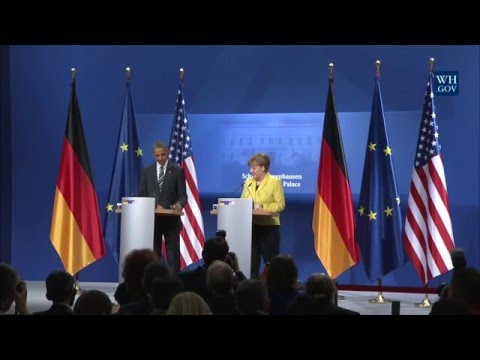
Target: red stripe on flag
(193,223)
(80,195)
(339,202)
(197,234)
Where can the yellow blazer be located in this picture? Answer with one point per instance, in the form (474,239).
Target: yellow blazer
(269,194)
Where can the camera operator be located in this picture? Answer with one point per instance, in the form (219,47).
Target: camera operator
(215,248)
(232,259)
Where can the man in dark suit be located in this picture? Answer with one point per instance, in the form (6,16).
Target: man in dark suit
(166,183)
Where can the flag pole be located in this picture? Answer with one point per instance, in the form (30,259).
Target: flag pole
(431,61)
(377,65)
(77,276)
(337,296)
(379,299)
(426,303)
(128,70)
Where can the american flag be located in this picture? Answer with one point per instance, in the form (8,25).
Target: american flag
(428,237)
(192,235)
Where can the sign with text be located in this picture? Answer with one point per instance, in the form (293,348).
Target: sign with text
(445,83)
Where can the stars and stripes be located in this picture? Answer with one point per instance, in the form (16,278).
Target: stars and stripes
(428,237)
(192,236)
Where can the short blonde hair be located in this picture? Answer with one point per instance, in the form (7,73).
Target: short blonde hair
(260,159)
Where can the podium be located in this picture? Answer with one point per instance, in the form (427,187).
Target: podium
(235,217)
(137,225)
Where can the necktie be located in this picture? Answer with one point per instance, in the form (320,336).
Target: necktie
(161,176)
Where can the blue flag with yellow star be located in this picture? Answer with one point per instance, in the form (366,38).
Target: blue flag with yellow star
(126,173)
(379,220)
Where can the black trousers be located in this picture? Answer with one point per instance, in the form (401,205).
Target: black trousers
(265,244)
(168,227)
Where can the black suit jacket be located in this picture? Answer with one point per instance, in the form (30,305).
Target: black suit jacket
(305,304)
(174,189)
(56,309)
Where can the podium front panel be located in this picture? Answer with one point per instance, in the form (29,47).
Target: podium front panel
(137,225)
(235,217)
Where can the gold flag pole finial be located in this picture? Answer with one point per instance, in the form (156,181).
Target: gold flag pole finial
(431,61)
(377,64)
(330,67)
(182,73)
(74,71)
(128,71)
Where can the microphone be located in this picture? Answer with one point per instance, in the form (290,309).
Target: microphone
(253,197)
(239,187)
(250,191)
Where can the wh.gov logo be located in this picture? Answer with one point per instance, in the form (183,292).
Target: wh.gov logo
(445,83)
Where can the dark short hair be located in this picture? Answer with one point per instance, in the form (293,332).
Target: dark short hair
(160,145)
(215,248)
(322,285)
(93,302)
(60,285)
(282,273)
(251,296)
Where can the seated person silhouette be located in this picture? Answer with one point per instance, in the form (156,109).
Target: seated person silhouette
(215,248)
(61,292)
(164,289)
(282,283)
(188,303)
(220,284)
(131,289)
(93,302)
(319,298)
(12,289)
(251,297)
(157,269)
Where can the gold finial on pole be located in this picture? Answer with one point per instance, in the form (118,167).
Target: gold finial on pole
(74,71)
(182,73)
(430,63)
(128,70)
(377,64)
(330,67)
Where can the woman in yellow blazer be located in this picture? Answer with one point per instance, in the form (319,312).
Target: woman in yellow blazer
(266,191)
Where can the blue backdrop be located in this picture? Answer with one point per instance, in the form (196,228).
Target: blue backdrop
(241,100)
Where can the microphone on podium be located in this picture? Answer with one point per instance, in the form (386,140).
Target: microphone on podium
(250,191)
(253,197)
(239,187)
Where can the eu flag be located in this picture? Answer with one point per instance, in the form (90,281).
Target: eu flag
(125,175)
(379,220)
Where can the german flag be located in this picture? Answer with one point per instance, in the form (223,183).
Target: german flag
(76,231)
(333,216)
